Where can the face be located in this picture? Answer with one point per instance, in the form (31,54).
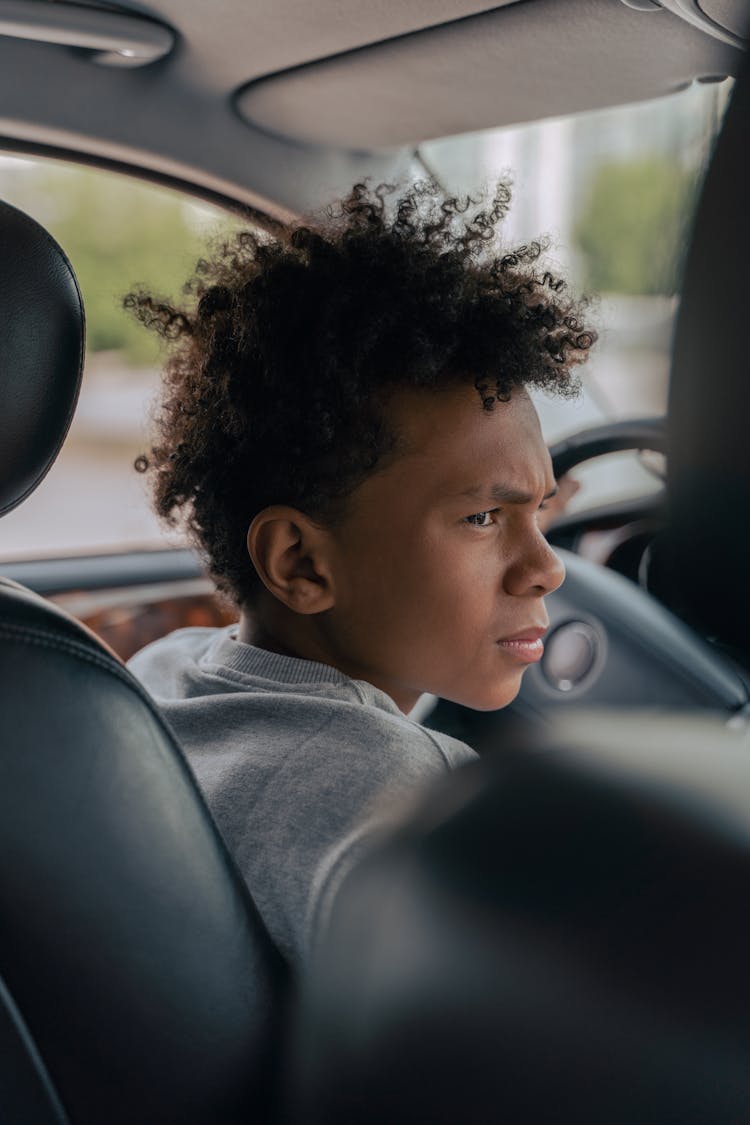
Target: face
(440,569)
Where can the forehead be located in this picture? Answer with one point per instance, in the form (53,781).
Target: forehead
(448,440)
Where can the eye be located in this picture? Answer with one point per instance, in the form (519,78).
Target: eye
(481,519)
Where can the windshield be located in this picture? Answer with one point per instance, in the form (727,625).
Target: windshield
(614,191)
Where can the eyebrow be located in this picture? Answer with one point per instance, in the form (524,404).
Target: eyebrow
(502,494)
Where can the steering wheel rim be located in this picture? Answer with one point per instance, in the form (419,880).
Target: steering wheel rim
(611,437)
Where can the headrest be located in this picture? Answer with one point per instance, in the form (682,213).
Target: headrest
(42,339)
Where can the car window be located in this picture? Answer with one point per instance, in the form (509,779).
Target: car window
(615,192)
(118,232)
(613,189)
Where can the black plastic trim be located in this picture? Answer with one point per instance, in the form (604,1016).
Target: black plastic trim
(102,572)
(245,211)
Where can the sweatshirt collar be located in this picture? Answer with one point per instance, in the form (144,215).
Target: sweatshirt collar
(259,662)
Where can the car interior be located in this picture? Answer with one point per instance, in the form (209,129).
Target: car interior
(127,931)
(108,848)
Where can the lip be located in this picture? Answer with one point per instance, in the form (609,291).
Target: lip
(532,633)
(525,645)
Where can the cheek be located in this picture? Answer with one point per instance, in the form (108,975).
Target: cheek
(474,570)
(460,602)
(381,589)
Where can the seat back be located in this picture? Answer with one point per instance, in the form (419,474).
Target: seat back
(137,982)
(559,936)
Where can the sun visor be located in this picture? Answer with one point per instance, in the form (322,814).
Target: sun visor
(480,72)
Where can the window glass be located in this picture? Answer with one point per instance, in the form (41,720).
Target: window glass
(615,191)
(118,232)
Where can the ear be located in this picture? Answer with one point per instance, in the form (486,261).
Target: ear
(291,555)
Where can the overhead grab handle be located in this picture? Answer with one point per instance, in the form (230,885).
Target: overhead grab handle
(691,11)
(115,38)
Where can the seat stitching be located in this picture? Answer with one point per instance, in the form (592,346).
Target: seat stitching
(65,644)
(43,639)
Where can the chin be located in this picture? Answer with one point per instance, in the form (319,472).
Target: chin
(493,697)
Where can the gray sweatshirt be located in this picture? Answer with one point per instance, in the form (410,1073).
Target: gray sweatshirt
(295,759)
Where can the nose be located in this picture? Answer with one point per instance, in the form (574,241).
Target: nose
(536,570)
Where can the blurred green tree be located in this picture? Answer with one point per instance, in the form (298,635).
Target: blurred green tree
(634,225)
(118,232)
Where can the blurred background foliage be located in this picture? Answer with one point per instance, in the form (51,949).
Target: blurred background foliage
(634,226)
(120,233)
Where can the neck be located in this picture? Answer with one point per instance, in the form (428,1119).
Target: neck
(266,628)
(282,632)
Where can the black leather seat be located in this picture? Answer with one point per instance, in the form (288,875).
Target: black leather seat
(557,938)
(700,564)
(137,983)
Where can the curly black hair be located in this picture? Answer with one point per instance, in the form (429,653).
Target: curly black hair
(287,346)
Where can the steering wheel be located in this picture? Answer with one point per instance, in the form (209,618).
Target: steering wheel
(632,532)
(612,437)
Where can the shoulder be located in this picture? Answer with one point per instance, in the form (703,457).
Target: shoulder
(408,730)
(160,663)
(359,751)
(456,753)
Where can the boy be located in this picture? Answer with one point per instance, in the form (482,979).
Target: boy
(346,430)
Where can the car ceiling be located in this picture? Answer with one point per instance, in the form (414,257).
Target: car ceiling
(283,103)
